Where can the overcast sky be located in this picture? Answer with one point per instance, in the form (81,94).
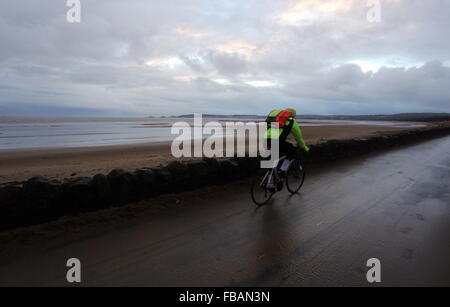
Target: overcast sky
(151,57)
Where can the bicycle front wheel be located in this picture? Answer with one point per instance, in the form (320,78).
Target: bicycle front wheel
(295,177)
(259,191)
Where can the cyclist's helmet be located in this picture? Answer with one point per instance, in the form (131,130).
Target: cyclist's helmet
(293,112)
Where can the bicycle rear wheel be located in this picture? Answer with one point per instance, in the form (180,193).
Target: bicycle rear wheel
(295,177)
(260,193)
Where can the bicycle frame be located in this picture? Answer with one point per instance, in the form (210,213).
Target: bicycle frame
(268,182)
(272,174)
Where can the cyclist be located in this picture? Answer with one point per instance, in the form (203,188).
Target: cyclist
(287,125)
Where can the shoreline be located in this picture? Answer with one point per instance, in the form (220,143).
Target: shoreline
(18,165)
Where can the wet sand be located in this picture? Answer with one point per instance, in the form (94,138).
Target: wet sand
(58,163)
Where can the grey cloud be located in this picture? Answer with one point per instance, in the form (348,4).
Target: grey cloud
(425,85)
(102,63)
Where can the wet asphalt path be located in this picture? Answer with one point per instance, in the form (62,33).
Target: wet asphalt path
(394,206)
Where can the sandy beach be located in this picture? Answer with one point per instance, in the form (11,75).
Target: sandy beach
(17,165)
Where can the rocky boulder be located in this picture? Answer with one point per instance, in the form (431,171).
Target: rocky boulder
(145,181)
(180,176)
(123,186)
(164,180)
(199,172)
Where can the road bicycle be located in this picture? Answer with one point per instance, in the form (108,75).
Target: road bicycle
(267,182)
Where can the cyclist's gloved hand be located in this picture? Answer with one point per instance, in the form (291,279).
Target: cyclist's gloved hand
(306,148)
